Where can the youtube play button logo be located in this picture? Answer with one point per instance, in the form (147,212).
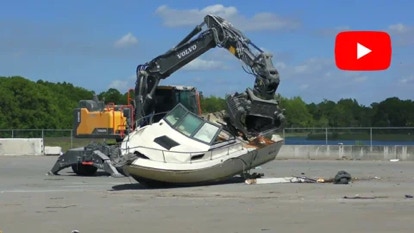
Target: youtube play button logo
(363,50)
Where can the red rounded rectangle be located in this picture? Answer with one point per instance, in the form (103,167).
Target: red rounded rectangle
(363,50)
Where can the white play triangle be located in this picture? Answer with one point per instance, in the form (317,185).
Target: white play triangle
(362,50)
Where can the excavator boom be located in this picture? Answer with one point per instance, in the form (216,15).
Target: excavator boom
(249,113)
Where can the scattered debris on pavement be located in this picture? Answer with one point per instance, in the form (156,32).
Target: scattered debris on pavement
(280,180)
(342,177)
(364,197)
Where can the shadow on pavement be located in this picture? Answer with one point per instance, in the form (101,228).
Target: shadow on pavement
(161,185)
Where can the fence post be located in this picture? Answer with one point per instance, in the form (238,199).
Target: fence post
(43,134)
(370,137)
(326,136)
(71,139)
(12,133)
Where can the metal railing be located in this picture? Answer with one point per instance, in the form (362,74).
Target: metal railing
(349,136)
(293,136)
(188,156)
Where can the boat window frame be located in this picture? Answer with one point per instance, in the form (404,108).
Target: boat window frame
(181,119)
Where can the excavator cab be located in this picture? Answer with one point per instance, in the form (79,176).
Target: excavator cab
(167,97)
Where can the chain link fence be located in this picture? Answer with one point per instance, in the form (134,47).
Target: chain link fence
(370,136)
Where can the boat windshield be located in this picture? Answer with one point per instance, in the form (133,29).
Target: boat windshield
(191,125)
(175,115)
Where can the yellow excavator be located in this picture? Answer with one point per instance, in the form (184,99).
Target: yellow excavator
(97,119)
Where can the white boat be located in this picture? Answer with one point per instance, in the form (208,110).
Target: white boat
(183,148)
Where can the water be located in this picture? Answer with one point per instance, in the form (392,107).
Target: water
(304,141)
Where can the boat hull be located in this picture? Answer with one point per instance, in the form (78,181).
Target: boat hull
(221,171)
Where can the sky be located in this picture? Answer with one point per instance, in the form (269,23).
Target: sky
(98,44)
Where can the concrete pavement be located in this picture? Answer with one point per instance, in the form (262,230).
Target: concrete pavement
(31,201)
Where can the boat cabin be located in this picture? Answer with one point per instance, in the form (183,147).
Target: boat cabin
(193,126)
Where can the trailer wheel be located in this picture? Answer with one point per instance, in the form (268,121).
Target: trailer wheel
(84,170)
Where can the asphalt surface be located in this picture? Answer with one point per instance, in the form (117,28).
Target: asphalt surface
(31,201)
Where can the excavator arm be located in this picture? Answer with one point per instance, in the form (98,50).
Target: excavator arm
(251,112)
(150,74)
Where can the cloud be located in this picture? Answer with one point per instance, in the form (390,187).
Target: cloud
(202,64)
(311,65)
(316,79)
(304,86)
(191,17)
(199,64)
(24,40)
(280,65)
(407,80)
(123,85)
(401,34)
(126,41)
(399,28)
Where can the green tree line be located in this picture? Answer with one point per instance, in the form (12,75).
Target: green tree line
(25,104)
